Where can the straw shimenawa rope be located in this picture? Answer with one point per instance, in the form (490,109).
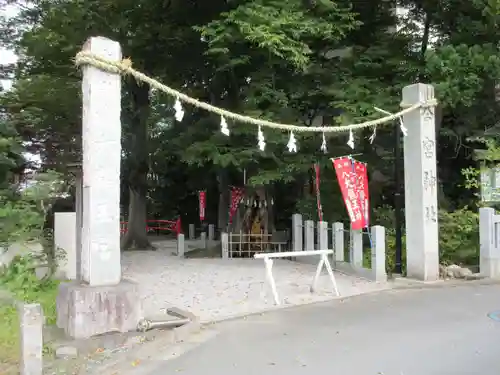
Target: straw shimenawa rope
(125,67)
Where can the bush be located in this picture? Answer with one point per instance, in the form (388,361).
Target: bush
(22,218)
(458,236)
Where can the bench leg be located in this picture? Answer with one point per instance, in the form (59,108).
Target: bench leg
(331,274)
(269,274)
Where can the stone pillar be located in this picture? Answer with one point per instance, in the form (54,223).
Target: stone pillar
(421,206)
(211,232)
(79,222)
(203,240)
(192,233)
(489,249)
(338,241)
(322,231)
(102,302)
(180,245)
(378,254)
(309,234)
(31,338)
(356,248)
(101,168)
(224,241)
(297,231)
(65,240)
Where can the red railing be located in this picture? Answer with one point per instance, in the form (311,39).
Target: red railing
(173,226)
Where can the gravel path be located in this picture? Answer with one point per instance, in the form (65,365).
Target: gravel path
(215,289)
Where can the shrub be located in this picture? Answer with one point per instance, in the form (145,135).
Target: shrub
(458,236)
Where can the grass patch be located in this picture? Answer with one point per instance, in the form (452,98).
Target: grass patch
(20,280)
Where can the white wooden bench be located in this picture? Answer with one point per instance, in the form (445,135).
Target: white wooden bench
(323,261)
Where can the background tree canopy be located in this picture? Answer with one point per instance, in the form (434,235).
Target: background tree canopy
(293,61)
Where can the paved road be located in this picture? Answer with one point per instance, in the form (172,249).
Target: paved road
(437,331)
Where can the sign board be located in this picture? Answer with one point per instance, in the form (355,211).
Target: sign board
(490,184)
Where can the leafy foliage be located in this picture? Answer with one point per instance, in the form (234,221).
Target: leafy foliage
(300,62)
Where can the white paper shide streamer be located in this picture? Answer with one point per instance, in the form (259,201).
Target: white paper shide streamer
(403,128)
(261,142)
(374,134)
(179,111)
(350,141)
(292,143)
(323,144)
(223,126)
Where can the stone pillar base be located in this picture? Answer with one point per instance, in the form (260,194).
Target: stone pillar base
(84,311)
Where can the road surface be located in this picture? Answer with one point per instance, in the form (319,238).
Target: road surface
(434,331)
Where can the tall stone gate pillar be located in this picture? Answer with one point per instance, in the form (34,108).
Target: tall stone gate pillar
(102,302)
(421,206)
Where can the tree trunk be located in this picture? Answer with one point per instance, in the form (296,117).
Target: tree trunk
(136,236)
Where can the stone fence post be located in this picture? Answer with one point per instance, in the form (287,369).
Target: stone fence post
(322,235)
(180,245)
(356,248)
(224,242)
(31,338)
(489,249)
(191,232)
(65,237)
(338,241)
(297,233)
(211,232)
(378,254)
(309,234)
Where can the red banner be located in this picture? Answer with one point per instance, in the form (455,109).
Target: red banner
(346,175)
(236,195)
(202,197)
(318,196)
(364,195)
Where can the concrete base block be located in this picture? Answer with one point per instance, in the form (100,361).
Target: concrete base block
(84,311)
(489,267)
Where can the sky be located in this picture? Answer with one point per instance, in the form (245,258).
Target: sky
(7,57)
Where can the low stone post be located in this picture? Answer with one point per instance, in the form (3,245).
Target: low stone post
(211,232)
(203,240)
(379,273)
(338,241)
(65,237)
(356,248)
(309,234)
(297,233)
(489,249)
(180,245)
(322,231)
(31,338)
(192,233)
(224,241)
